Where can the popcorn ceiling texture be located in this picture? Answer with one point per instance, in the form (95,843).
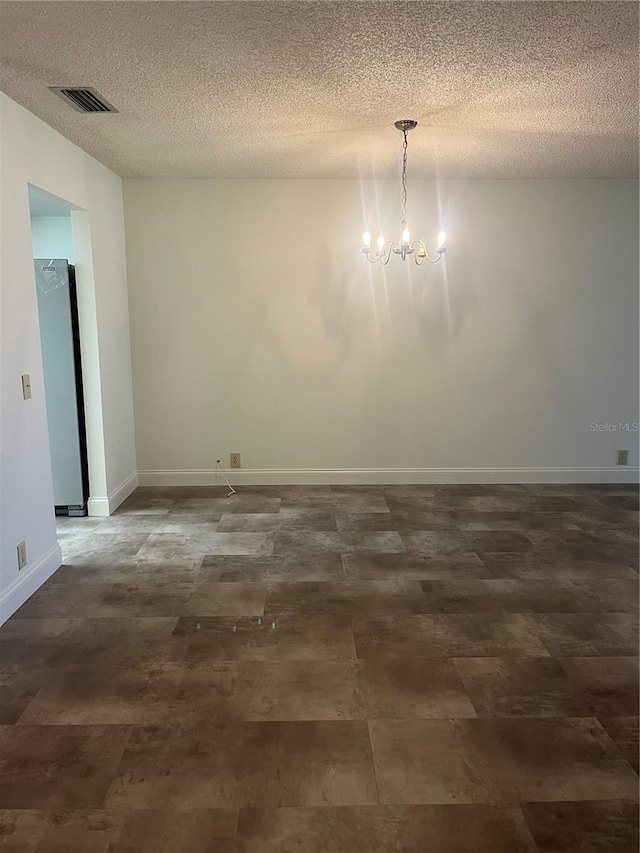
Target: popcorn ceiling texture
(311,89)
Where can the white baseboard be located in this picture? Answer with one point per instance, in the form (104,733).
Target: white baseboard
(28,581)
(105,506)
(98,507)
(373,476)
(123,491)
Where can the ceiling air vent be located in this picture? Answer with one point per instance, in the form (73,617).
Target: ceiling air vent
(83,99)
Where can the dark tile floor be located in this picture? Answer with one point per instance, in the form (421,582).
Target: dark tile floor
(330,670)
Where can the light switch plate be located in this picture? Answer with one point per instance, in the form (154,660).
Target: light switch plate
(26,386)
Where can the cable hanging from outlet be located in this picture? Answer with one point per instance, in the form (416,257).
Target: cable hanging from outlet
(224,477)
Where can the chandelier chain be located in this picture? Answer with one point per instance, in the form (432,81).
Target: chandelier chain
(405,145)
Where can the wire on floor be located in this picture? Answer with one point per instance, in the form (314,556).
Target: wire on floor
(224,476)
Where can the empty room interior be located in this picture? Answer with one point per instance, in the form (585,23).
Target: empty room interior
(319,426)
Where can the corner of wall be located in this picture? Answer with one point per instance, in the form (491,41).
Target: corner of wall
(122,492)
(104,507)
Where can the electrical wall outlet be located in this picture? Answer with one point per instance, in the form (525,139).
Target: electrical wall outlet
(26,386)
(623,457)
(22,555)
(234,460)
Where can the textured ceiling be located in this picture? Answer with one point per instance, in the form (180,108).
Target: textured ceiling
(311,89)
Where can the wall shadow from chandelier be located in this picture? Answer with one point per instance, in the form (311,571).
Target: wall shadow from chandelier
(405,303)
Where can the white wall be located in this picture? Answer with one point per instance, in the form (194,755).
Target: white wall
(31,152)
(51,237)
(258,327)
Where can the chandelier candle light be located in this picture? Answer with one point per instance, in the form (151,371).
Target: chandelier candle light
(385,248)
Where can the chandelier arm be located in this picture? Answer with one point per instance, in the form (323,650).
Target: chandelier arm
(418,245)
(382,256)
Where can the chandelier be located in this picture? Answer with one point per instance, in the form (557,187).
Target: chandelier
(385,248)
